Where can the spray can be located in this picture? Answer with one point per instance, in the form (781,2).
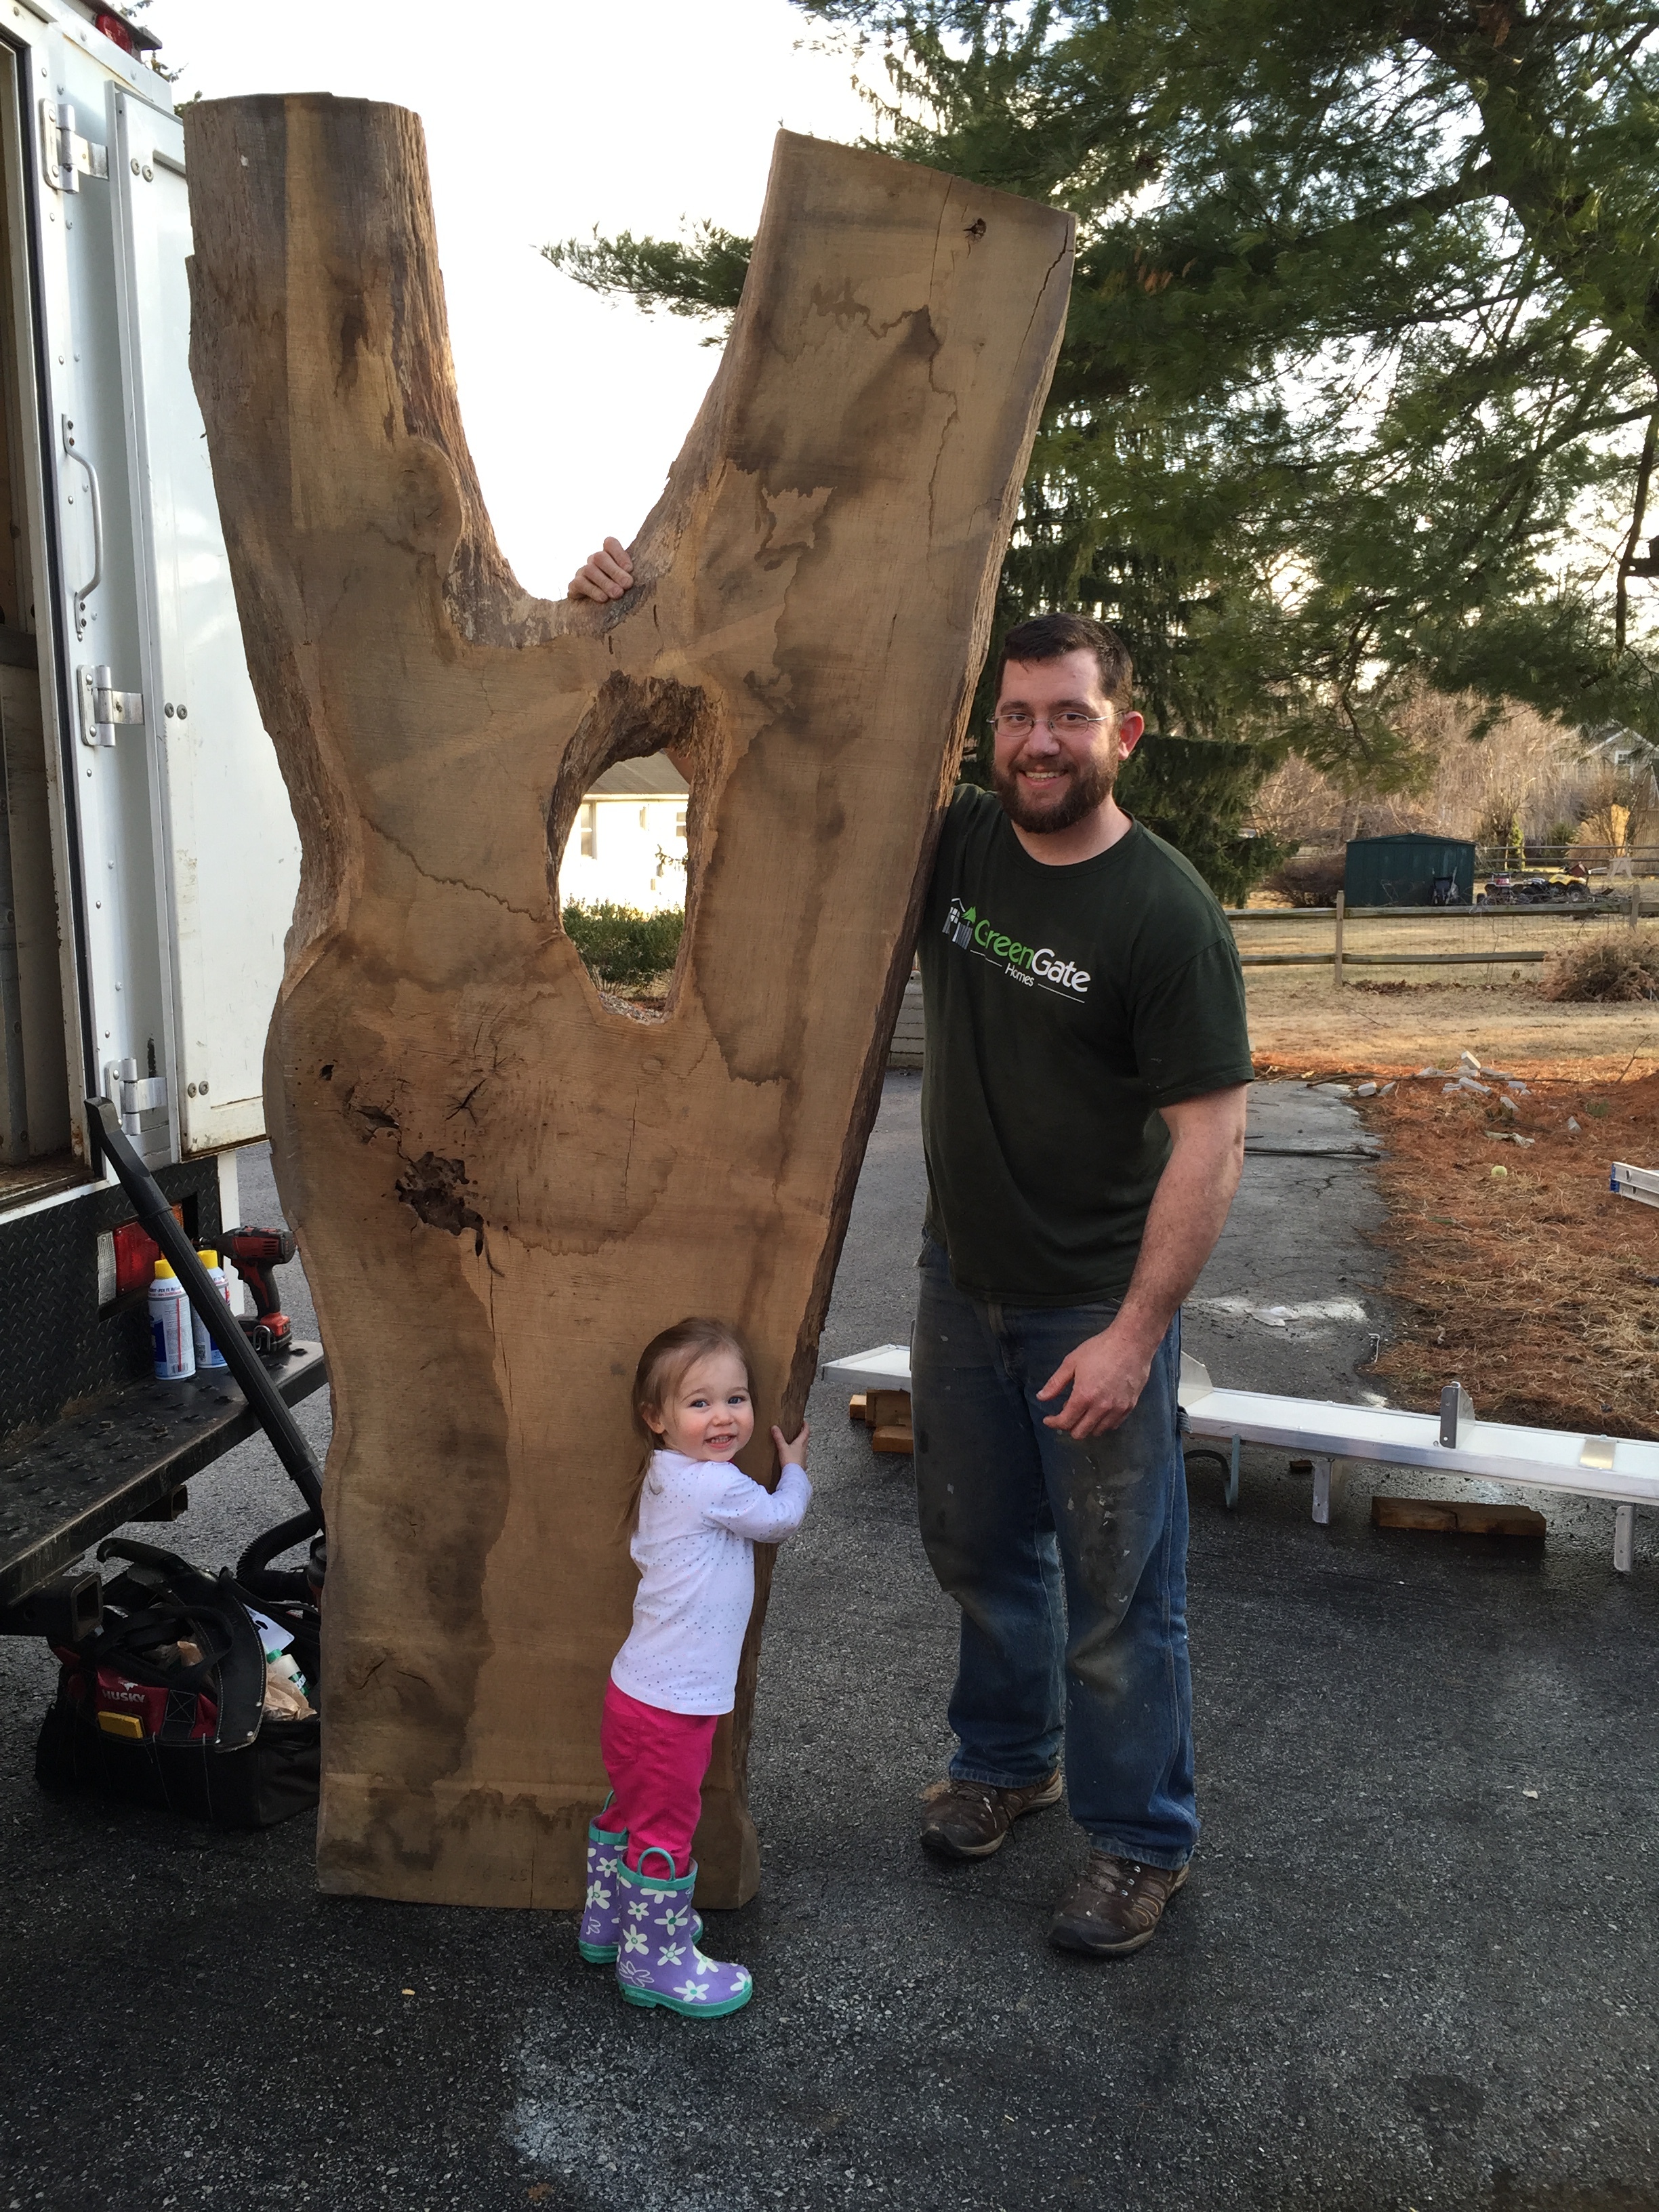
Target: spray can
(208,1354)
(170,1327)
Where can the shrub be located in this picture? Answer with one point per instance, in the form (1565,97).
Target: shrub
(620,947)
(1609,970)
(1309,878)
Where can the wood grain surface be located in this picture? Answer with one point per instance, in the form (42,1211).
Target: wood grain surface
(503,1186)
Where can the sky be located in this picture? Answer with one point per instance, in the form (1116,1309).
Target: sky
(544,120)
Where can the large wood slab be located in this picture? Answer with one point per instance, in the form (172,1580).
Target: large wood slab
(502,1187)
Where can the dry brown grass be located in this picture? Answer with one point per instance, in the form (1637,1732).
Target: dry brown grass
(1538,1289)
(1300,1025)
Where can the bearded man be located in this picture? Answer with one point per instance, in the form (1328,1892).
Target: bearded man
(1083,1120)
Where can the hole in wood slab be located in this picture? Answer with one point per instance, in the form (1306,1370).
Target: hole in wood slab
(435,1189)
(623,833)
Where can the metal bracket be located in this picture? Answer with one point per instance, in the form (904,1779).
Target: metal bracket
(1328,1474)
(65,1610)
(1455,1409)
(65,156)
(1624,1539)
(172,1507)
(102,707)
(134,1096)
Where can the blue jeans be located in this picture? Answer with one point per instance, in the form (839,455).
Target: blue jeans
(1069,1563)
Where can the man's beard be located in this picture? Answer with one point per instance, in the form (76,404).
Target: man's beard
(1089,786)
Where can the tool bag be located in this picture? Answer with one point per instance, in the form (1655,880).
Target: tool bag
(135,1718)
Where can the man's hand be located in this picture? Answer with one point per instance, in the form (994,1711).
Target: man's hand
(605,575)
(1106,1374)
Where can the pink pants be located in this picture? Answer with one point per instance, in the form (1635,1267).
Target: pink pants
(656,1761)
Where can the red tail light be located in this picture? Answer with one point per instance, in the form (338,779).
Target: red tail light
(137,1253)
(115,30)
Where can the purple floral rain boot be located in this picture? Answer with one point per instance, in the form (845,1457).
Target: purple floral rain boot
(658,1961)
(598,1935)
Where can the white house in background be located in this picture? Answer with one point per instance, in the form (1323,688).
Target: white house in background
(629,843)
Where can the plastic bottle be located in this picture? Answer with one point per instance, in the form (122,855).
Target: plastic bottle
(170,1327)
(275,1641)
(283,1665)
(208,1354)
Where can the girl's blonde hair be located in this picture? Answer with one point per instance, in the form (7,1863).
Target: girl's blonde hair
(663,1364)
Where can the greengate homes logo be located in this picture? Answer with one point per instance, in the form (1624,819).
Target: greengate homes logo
(1038,966)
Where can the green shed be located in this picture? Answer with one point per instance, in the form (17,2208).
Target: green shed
(1403,871)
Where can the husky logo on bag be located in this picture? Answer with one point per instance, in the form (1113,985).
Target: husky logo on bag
(149,1709)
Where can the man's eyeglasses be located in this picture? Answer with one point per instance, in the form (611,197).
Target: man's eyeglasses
(1019,724)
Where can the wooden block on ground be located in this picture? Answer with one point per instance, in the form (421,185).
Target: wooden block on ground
(1502,1520)
(1447,1516)
(894,1436)
(889,1409)
(1434,1515)
(503,1184)
(858,1407)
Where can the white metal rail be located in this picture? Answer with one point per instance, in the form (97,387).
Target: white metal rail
(1621,1469)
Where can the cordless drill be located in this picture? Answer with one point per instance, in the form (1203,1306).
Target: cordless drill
(254,1253)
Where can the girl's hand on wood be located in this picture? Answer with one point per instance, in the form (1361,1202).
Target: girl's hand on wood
(791,1453)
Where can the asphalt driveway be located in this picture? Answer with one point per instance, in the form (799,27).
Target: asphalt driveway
(1415,1964)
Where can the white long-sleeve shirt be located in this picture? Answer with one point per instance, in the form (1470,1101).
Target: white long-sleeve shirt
(700,1521)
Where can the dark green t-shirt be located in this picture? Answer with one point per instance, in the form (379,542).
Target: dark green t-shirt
(1064,1005)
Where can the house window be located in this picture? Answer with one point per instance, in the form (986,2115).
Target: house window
(679,825)
(645,817)
(590,826)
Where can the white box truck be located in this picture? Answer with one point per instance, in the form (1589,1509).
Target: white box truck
(148,854)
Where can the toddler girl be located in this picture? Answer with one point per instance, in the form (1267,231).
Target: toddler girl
(699,1520)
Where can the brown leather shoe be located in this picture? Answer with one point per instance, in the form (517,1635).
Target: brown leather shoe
(971,1819)
(1113,1907)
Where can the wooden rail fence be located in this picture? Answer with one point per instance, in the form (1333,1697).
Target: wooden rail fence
(1343,955)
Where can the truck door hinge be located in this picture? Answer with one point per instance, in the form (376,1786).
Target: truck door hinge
(133,1095)
(102,705)
(65,156)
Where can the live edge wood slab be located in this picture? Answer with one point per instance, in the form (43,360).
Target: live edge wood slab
(502,1186)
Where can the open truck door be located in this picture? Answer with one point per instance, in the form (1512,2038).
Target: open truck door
(176,830)
(226,853)
(147,856)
